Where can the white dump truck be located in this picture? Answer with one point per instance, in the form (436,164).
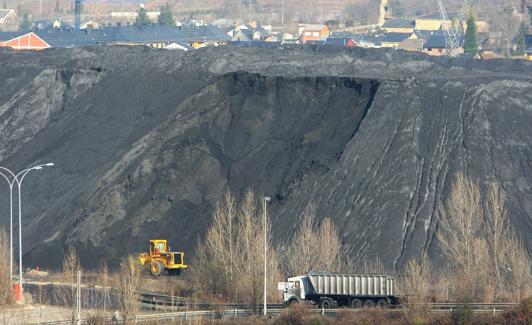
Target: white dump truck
(335,290)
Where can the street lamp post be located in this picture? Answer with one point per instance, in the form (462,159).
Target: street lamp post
(11,183)
(18,178)
(266,200)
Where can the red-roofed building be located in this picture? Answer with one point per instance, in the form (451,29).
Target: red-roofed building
(28,41)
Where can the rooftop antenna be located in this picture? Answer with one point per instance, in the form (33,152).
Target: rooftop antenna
(77,14)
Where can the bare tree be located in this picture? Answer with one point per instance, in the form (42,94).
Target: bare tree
(329,246)
(105,282)
(480,282)
(65,294)
(6,295)
(229,262)
(129,285)
(416,284)
(301,253)
(518,269)
(497,233)
(314,247)
(459,221)
(442,286)
(372,265)
(488,265)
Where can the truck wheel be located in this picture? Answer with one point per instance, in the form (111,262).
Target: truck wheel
(325,304)
(369,304)
(174,271)
(156,268)
(382,304)
(293,303)
(356,303)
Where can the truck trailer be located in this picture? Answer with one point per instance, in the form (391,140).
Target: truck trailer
(336,290)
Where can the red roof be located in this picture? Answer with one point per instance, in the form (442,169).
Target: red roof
(29,41)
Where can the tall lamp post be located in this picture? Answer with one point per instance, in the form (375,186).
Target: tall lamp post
(11,183)
(18,178)
(266,200)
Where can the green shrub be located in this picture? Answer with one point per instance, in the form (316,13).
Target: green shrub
(463,314)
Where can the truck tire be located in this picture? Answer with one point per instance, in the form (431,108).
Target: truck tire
(174,271)
(156,268)
(325,304)
(356,303)
(382,304)
(369,304)
(293,303)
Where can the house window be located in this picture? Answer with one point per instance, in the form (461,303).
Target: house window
(308,33)
(316,34)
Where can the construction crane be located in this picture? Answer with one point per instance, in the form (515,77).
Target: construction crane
(77,14)
(455,32)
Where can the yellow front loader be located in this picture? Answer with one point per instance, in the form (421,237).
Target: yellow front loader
(159,258)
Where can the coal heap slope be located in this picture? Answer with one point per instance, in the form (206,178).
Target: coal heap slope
(146,142)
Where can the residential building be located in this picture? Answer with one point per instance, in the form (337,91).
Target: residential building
(8,20)
(178,46)
(528,54)
(22,41)
(254,44)
(334,42)
(342,42)
(431,22)
(393,39)
(154,36)
(399,25)
(243,35)
(435,45)
(247,33)
(132,15)
(383,8)
(312,32)
(89,24)
(287,38)
(412,45)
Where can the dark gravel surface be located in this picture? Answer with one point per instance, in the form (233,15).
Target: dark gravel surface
(147,141)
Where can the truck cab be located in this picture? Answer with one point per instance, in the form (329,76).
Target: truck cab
(294,289)
(329,289)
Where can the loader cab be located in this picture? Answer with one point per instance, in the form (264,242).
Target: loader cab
(157,246)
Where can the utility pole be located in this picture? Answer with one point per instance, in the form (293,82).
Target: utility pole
(266,200)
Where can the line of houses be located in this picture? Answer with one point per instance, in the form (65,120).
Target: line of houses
(157,36)
(423,34)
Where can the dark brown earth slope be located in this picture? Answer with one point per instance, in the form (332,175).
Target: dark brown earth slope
(146,142)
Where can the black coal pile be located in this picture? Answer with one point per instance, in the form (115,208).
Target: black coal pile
(146,142)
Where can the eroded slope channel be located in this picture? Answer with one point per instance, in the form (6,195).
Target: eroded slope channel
(241,131)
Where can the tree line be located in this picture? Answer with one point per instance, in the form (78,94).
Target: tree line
(487,261)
